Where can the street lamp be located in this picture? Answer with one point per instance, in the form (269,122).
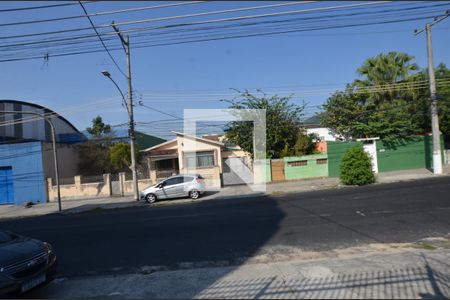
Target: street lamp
(131,135)
(108,75)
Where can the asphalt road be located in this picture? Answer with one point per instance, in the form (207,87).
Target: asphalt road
(98,241)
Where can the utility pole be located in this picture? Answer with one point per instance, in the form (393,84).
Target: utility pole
(437,162)
(437,155)
(126,46)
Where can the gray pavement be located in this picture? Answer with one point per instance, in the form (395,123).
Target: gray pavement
(393,274)
(294,186)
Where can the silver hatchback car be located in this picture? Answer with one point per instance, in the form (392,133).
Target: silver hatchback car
(186,185)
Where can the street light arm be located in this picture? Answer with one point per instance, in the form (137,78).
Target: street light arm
(120,91)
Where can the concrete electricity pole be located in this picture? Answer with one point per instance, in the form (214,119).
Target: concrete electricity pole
(126,46)
(437,161)
(437,155)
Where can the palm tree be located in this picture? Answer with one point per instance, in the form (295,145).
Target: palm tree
(381,72)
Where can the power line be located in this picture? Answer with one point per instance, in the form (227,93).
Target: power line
(213,39)
(154,7)
(269,33)
(101,40)
(53,41)
(38,7)
(247,17)
(210,21)
(157,110)
(215,13)
(228,26)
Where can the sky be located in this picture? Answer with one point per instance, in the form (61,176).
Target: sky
(197,75)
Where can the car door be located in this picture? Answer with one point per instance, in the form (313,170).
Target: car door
(159,192)
(170,187)
(165,188)
(181,188)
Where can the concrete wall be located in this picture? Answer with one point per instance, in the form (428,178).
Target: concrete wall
(25,159)
(411,153)
(310,170)
(262,171)
(80,190)
(142,184)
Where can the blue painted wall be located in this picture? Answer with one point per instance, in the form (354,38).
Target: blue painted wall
(25,159)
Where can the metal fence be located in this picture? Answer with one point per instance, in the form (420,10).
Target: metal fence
(63,181)
(165,173)
(128,176)
(92,179)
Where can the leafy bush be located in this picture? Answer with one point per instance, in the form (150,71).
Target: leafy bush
(356,167)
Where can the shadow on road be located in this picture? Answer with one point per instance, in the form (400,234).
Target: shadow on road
(132,240)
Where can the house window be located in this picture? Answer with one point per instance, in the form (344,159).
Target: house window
(202,159)
(298,163)
(321,161)
(165,164)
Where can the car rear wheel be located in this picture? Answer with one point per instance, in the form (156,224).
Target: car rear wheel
(194,194)
(150,198)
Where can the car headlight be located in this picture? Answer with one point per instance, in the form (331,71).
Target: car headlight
(48,247)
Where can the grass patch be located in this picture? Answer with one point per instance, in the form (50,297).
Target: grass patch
(425,245)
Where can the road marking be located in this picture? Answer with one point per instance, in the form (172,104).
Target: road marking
(360,213)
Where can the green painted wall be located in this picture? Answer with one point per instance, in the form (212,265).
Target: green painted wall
(336,151)
(312,169)
(410,153)
(268,171)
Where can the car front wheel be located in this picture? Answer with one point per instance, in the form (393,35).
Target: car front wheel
(194,194)
(150,198)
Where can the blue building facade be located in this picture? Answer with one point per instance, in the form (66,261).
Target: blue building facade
(22,177)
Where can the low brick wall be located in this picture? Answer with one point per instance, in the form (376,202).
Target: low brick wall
(307,166)
(80,190)
(142,184)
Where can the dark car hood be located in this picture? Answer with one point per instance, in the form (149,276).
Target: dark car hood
(18,250)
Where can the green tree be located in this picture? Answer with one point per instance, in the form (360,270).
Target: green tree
(282,123)
(344,114)
(442,74)
(94,159)
(120,156)
(98,128)
(356,167)
(383,103)
(305,144)
(94,154)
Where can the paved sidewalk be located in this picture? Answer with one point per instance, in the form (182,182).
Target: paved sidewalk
(405,273)
(76,206)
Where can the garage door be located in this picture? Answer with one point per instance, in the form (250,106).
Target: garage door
(6,186)
(236,171)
